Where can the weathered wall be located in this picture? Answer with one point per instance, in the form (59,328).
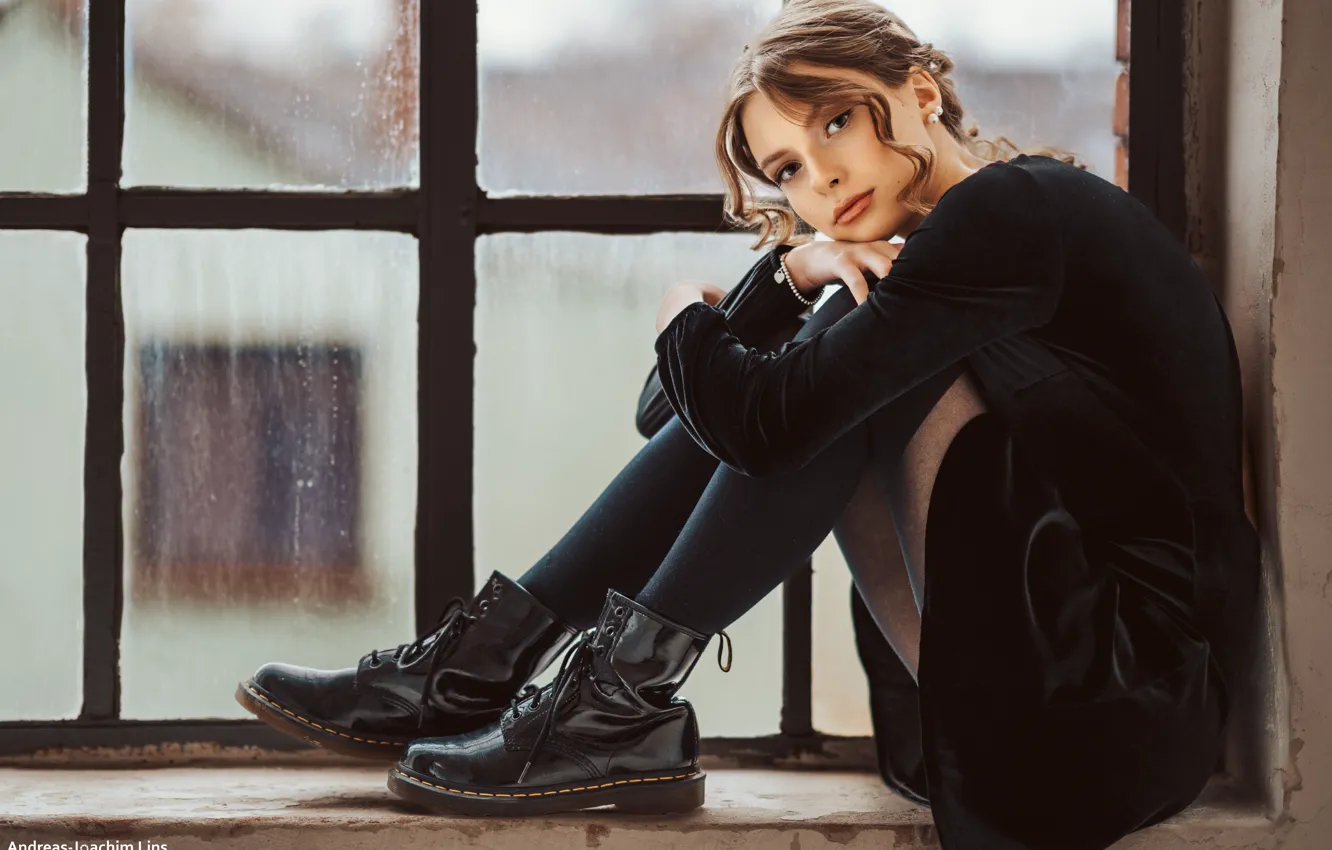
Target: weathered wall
(1302,406)
(1260,184)
(1233,74)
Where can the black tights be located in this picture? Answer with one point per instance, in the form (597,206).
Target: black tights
(701,544)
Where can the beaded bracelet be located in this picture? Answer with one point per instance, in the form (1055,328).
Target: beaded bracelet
(784,274)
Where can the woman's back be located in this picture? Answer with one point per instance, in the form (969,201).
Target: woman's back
(1140,323)
(1139,326)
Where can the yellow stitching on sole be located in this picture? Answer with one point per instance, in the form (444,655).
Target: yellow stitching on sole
(260,696)
(541,793)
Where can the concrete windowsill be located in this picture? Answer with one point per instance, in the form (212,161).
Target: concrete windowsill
(343,807)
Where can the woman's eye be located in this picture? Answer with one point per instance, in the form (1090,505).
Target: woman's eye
(846,115)
(781,175)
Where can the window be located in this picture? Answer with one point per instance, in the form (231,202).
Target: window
(272,486)
(42,327)
(315,216)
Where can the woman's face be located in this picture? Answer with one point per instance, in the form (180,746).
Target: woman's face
(817,168)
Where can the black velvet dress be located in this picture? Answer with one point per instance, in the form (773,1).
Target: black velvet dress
(1090,568)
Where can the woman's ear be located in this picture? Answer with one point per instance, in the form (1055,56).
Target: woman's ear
(926,91)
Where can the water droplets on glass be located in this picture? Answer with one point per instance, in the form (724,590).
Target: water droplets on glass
(319,94)
(270,462)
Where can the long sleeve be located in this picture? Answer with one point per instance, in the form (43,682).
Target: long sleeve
(757,309)
(985,263)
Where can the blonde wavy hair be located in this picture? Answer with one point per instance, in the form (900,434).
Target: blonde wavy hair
(855,34)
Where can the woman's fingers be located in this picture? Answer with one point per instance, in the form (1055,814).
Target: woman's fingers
(883,253)
(850,274)
(886,249)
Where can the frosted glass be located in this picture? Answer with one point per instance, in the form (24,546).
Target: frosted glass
(1041,72)
(41,452)
(605,96)
(43,97)
(623,97)
(841,691)
(270,460)
(257,94)
(564,334)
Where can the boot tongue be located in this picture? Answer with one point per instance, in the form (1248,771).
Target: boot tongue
(409,652)
(422,645)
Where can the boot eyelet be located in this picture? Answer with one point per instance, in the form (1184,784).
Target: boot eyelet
(483,606)
(619,611)
(610,630)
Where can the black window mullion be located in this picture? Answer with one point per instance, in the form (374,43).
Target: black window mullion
(166,208)
(1156,109)
(43,212)
(797,718)
(103,590)
(601,214)
(448,121)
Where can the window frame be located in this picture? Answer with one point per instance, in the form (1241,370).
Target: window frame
(446,214)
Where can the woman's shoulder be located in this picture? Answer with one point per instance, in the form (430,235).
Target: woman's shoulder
(1021,174)
(995,223)
(1004,195)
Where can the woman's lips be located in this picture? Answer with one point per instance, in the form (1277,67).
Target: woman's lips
(854,211)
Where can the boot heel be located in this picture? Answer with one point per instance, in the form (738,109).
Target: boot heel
(667,798)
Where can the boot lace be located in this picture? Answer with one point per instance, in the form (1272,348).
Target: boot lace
(450,625)
(575,660)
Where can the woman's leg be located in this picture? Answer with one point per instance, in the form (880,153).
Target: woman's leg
(866,532)
(747,535)
(887,558)
(909,473)
(673,520)
(622,538)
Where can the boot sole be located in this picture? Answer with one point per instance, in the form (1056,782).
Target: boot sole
(644,794)
(289,722)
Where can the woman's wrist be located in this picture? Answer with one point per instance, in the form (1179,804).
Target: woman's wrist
(789,275)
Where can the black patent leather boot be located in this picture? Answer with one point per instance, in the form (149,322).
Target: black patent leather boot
(459,676)
(608,730)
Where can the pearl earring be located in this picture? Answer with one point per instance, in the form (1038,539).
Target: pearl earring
(934,117)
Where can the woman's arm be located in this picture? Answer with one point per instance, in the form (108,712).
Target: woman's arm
(760,312)
(985,264)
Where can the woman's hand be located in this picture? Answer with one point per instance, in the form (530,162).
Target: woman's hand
(815,264)
(682,295)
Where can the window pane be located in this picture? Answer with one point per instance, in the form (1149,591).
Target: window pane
(43,85)
(252,93)
(41,452)
(1040,72)
(622,97)
(270,458)
(606,97)
(561,357)
(841,692)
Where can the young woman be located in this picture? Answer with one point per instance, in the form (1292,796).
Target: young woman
(1036,400)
